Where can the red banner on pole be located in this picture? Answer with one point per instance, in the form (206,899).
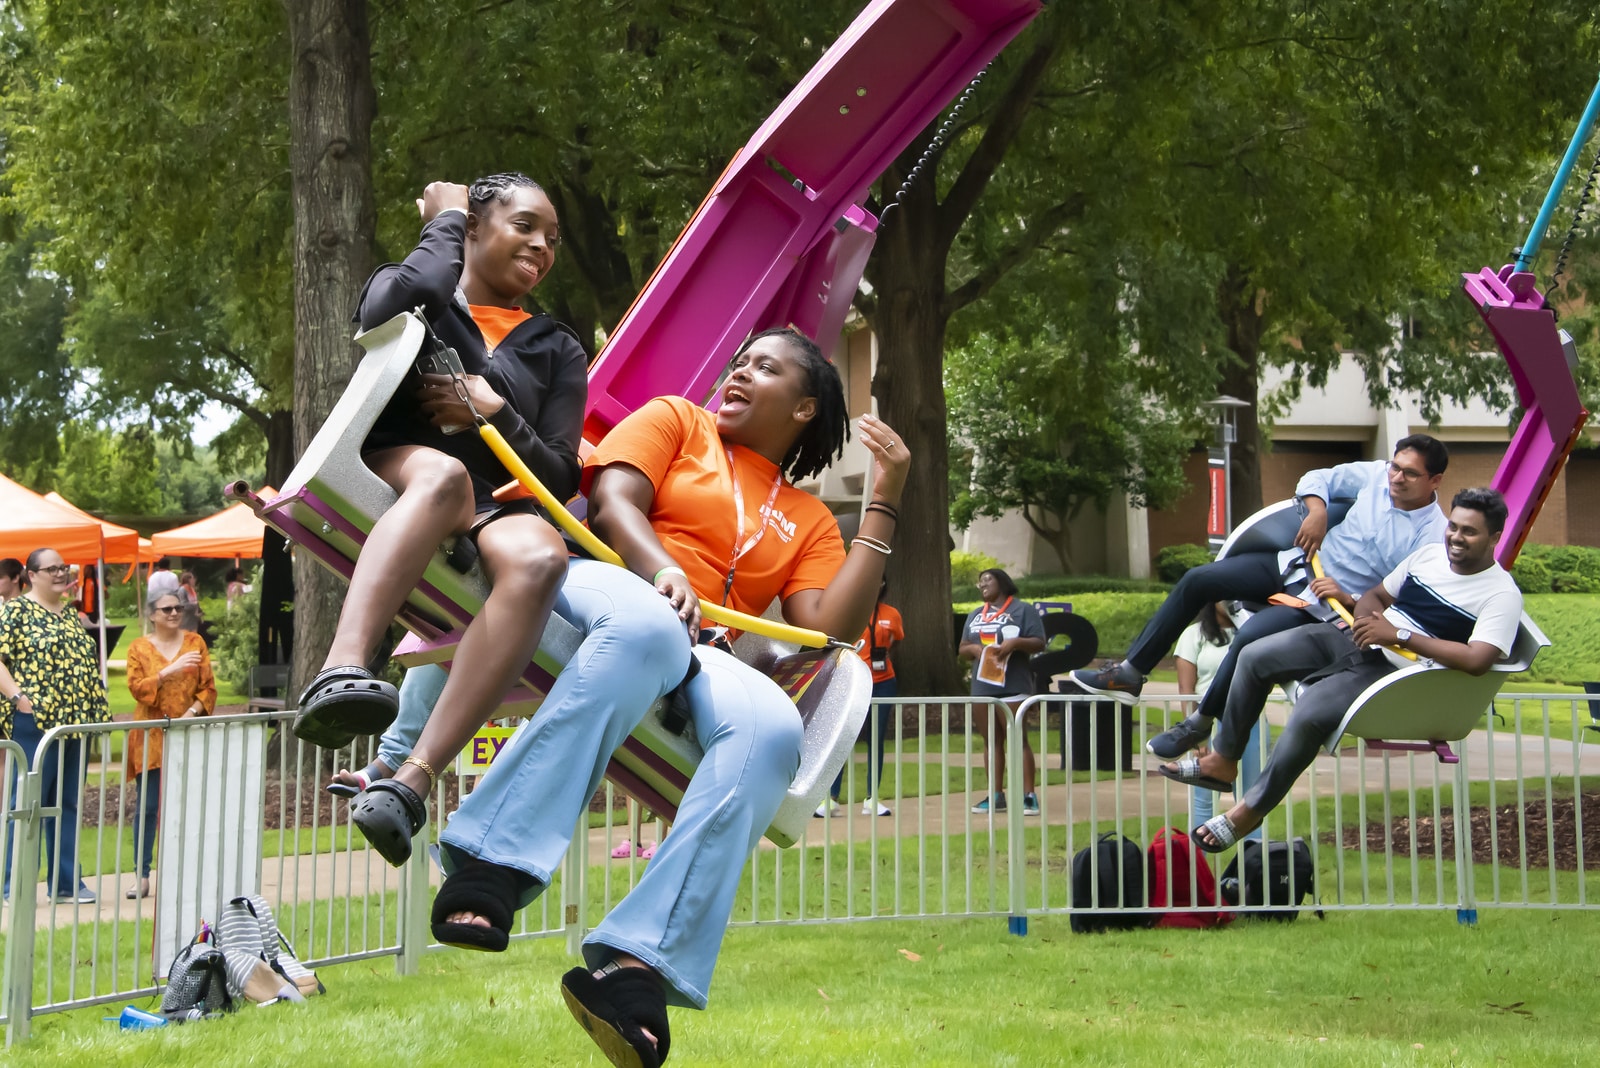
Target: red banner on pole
(1217,515)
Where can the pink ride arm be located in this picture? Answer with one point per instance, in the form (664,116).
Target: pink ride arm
(782,238)
(1553,416)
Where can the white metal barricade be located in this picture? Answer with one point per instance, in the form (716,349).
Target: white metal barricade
(1503,828)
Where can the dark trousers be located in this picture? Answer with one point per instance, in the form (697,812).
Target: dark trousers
(61,775)
(1274,619)
(144,820)
(884,716)
(1287,657)
(1245,577)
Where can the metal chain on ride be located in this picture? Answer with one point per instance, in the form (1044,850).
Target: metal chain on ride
(946,128)
(1577,217)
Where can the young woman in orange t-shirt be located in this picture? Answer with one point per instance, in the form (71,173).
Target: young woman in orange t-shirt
(697,505)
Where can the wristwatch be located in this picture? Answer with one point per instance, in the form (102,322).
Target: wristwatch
(1402,636)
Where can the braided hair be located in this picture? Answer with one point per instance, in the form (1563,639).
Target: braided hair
(822,440)
(496,189)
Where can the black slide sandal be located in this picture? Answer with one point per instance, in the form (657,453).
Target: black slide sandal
(343,702)
(488,890)
(615,1010)
(389,814)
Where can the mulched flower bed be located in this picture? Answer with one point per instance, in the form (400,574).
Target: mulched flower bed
(1538,822)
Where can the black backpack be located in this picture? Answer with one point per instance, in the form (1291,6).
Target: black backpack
(1118,887)
(197,984)
(1257,878)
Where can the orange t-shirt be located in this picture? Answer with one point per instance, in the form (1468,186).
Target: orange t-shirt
(674,444)
(495,323)
(890,629)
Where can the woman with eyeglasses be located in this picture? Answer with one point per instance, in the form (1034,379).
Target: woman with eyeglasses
(169,675)
(49,677)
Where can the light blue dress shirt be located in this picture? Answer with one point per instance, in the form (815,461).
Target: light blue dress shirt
(1374,536)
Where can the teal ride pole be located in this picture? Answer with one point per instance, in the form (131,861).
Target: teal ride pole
(1530,247)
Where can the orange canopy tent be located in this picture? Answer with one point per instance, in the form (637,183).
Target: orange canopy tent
(29,521)
(234,531)
(122,544)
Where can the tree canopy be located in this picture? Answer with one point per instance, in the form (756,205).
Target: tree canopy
(1140,206)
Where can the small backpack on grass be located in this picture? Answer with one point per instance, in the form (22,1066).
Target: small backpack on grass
(1172,853)
(261,964)
(1108,875)
(1257,877)
(197,984)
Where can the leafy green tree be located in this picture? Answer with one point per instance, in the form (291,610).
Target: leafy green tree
(1046,431)
(150,141)
(37,388)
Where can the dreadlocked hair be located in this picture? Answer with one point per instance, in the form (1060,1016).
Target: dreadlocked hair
(822,441)
(496,189)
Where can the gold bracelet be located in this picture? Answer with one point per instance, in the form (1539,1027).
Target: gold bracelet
(427,768)
(872,543)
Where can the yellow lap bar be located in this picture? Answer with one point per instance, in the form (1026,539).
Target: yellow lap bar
(598,549)
(1344,613)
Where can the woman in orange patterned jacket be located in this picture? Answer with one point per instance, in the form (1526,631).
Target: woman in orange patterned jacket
(169,674)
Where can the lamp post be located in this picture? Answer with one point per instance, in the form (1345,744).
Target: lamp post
(1219,520)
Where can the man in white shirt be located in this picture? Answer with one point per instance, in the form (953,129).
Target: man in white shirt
(162,581)
(1448,602)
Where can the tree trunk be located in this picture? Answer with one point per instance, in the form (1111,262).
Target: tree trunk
(280,447)
(1239,303)
(907,272)
(331,106)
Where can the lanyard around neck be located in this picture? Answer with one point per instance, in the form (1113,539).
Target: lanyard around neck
(984,615)
(741,544)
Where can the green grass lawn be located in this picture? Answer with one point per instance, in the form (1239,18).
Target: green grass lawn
(1354,990)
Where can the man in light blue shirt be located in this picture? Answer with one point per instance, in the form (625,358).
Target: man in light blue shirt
(1396,512)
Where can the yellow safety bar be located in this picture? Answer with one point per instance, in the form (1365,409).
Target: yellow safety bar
(1344,613)
(591,544)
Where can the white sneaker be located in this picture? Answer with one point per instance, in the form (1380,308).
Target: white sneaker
(872,807)
(827,807)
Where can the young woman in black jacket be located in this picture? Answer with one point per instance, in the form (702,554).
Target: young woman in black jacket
(481,251)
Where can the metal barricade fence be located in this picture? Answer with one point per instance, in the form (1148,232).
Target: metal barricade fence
(242,810)
(1502,828)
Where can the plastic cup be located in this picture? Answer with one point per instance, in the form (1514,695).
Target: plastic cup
(133,1019)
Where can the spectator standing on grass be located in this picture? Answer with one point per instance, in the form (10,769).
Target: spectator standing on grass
(11,579)
(876,647)
(189,599)
(169,675)
(1000,637)
(50,676)
(236,587)
(1200,651)
(161,581)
